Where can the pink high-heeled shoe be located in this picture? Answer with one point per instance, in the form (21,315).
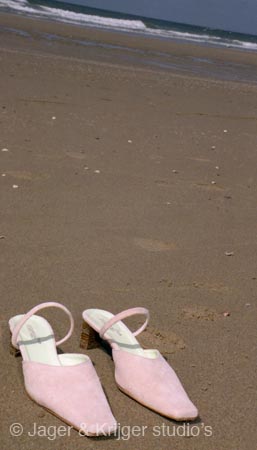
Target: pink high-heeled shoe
(65,384)
(144,375)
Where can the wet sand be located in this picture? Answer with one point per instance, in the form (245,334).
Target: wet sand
(134,186)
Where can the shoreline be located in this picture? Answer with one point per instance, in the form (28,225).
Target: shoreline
(127,50)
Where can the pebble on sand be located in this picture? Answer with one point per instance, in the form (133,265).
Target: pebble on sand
(229,253)
(53,118)
(5,150)
(129,141)
(213,182)
(174,171)
(217,167)
(97,171)
(15,186)
(3,174)
(226,314)
(213,147)
(225,131)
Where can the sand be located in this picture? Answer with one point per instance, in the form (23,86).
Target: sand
(134,186)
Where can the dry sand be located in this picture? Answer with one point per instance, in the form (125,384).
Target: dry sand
(130,193)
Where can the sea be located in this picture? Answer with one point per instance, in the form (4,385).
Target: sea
(127,23)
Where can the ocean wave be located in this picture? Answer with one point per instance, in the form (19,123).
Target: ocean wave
(72,17)
(203,39)
(96,20)
(245,45)
(128,25)
(17,5)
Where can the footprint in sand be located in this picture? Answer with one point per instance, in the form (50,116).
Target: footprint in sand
(200,313)
(215,287)
(154,245)
(166,342)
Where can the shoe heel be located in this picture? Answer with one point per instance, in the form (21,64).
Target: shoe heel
(89,337)
(14,351)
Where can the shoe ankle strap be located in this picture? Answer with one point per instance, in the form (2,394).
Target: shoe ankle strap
(18,327)
(123,315)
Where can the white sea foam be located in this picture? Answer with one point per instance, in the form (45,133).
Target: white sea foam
(70,16)
(203,38)
(17,5)
(37,10)
(96,20)
(242,44)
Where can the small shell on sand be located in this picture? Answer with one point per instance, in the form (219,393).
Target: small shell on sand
(229,253)
(225,131)
(213,182)
(5,150)
(129,141)
(15,186)
(97,171)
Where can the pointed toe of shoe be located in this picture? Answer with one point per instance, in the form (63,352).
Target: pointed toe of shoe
(102,429)
(152,382)
(188,412)
(74,393)
(177,408)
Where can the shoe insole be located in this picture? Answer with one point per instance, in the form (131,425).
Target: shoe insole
(37,343)
(36,340)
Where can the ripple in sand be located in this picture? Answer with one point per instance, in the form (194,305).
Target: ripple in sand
(25,175)
(166,342)
(154,245)
(200,313)
(209,187)
(76,155)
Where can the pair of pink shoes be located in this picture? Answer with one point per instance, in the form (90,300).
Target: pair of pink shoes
(67,384)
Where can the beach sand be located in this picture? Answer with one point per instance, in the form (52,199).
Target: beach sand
(134,186)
